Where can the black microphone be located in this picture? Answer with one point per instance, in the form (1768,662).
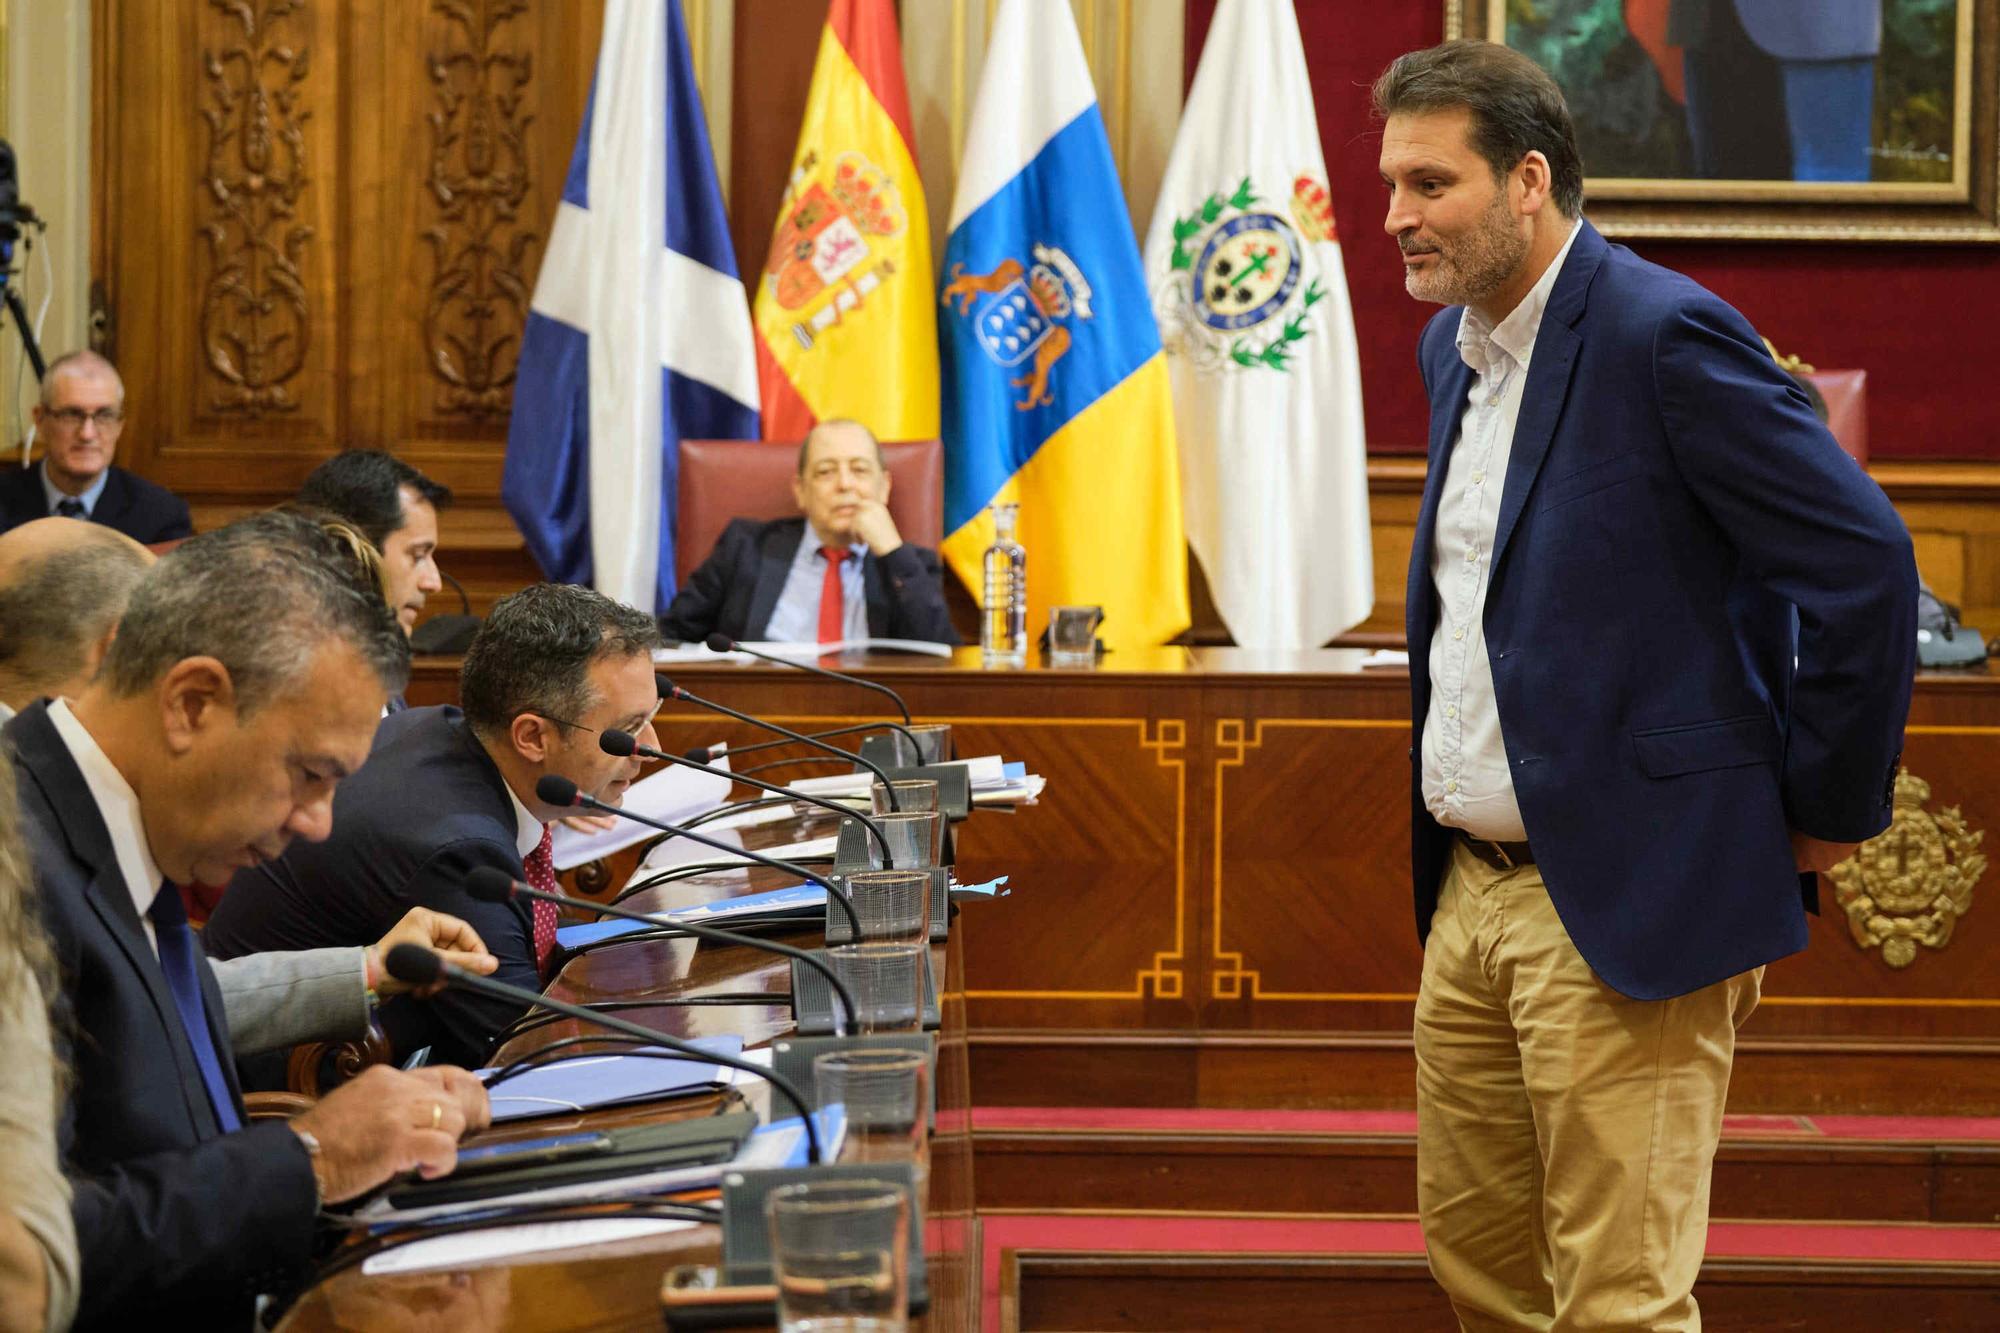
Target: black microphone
(491,884)
(722,643)
(669,690)
(418,966)
(560,791)
(701,754)
(624,745)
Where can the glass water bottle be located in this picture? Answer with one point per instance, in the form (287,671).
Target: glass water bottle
(1003,620)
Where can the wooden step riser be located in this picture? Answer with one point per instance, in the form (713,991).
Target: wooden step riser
(1020,1170)
(1063,1292)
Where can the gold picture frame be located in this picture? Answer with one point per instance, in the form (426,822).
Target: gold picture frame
(1958,204)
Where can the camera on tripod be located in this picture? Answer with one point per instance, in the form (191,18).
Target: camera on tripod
(13,214)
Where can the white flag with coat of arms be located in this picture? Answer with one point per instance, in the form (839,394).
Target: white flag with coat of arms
(1244,265)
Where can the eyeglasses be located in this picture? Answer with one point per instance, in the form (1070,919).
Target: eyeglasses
(74,417)
(564,722)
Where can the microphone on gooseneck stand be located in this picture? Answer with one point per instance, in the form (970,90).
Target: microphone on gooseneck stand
(557,790)
(418,966)
(624,744)
(722,643)
(490,884)
(669,690)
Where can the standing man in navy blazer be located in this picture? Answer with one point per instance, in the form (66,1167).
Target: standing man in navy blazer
(79,419)
(1662,634)
(841,571)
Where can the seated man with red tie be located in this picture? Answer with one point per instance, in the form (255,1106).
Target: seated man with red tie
(446,791)
(840,571)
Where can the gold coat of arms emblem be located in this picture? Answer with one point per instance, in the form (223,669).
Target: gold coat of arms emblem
(1909,885)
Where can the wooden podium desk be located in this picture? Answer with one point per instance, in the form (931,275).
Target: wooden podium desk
(1211,905)
(616,1286)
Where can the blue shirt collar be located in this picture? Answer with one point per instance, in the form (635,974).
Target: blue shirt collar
(56,497)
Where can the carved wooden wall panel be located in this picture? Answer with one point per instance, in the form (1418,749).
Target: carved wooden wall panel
(318,224)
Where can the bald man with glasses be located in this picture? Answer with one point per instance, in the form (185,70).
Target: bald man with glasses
(79,421)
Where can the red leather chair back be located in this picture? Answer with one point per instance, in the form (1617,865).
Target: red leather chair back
(725,479)
(1846,394)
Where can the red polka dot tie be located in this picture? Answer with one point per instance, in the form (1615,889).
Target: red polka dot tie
(540,868)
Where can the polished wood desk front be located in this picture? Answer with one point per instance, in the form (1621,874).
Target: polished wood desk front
(1212,907)
(617,1286)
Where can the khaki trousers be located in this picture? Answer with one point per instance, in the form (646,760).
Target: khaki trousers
(1565,1132)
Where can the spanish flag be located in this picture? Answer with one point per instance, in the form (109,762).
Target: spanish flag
(846,318)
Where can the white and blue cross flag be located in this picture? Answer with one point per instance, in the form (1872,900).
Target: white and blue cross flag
(639,333)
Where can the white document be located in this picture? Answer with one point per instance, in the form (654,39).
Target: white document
(670,795)
(685,851)
(986,771)
(468,1248)
(698,652)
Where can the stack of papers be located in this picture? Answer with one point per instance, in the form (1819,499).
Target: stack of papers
(697,652)
(671,795)
(994,781)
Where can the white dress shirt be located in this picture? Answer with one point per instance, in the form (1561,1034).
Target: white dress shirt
(1466,783)
(795,619)
(118,806)
(527,828)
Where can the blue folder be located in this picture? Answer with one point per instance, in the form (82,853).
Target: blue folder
(609,1078)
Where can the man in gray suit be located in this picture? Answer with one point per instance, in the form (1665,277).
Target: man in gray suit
(1813,65)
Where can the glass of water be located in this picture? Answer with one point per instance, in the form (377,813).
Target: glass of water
(839,1253)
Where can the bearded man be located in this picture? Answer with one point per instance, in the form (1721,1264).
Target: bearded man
(1662,634)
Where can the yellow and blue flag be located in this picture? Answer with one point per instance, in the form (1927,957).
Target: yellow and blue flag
(1055,391)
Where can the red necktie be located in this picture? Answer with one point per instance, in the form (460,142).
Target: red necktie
(832,600)
(540,868)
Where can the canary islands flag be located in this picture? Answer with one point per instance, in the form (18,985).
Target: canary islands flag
(1056,395)
(845,322)
(639,332)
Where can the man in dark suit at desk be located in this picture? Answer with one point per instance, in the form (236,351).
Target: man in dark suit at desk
(244,684)
(79,420)
(841,571)
(1662,634)
(446,792)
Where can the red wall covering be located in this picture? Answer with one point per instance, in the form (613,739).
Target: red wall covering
(1917,318)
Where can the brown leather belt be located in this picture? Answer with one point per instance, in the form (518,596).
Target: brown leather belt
(1499,855)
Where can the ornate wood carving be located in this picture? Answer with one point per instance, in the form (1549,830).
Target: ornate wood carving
(478,180)
(255,325)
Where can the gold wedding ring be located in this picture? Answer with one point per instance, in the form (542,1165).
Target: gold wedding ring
(437,1114)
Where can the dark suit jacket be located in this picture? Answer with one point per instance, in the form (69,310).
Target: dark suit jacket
(737,587)
(136,507)
(1675,526)
(178,1224)
(426,808)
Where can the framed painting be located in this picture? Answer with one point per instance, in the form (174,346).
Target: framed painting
(1771,120)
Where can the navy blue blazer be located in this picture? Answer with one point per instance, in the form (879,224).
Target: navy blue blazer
(179,1225)
(736,589)
(1676,524)
(426,808)
(142,510)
